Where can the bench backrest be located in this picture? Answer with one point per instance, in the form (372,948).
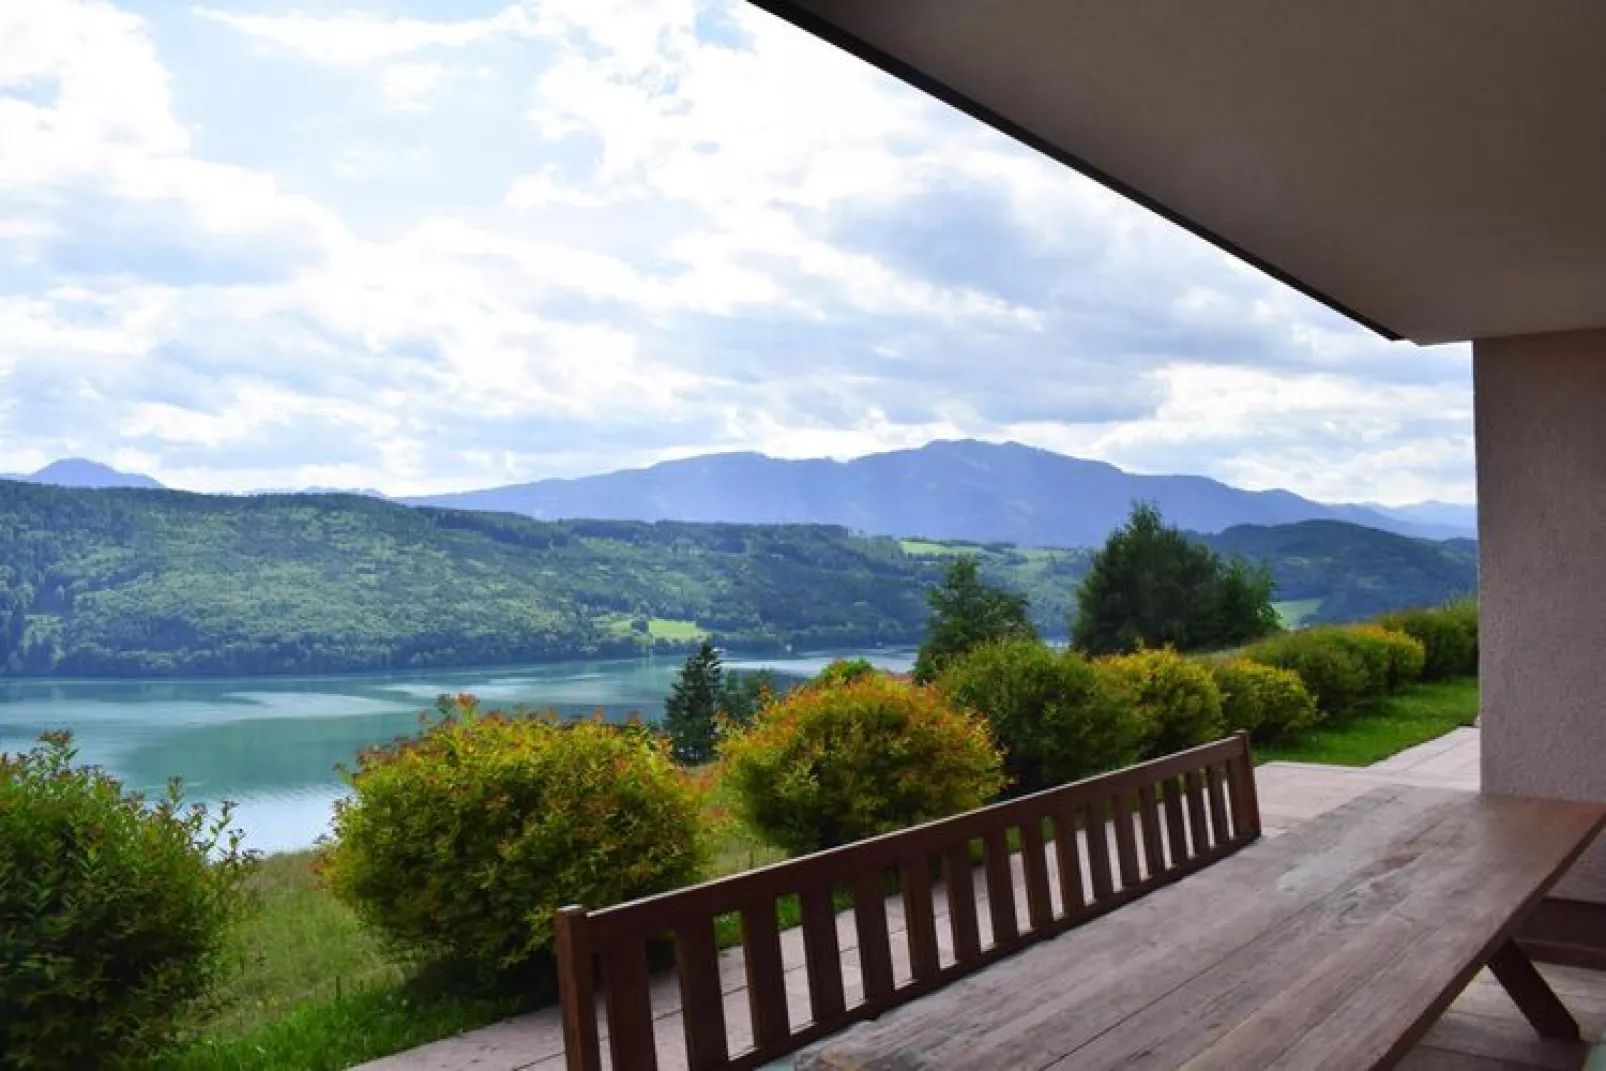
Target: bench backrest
(1166,818)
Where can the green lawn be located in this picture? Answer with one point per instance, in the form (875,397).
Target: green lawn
(1421,713)
(926,548)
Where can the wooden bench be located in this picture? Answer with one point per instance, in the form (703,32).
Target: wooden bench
(1336,945)
(1084,849)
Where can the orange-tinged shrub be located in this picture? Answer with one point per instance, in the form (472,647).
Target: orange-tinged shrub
(827,766)
(462,843)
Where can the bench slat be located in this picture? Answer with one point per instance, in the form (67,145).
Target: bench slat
(1218,805)
(920,918)
(1069,859)
(875,954)
(1175,822)
(1149,815)
(1098,853)
(1034,863)
(702,1001)
(1125,841)
(766,974)
(1000,887)
(822,954)
(959,879)
(1198,827)
(630,1034)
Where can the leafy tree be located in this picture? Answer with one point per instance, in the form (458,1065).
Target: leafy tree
(967,612)
(745,693)
(1150,585)
(692,708)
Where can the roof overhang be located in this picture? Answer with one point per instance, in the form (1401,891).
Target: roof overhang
(1435,169)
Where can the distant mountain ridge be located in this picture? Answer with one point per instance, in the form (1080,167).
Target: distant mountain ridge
(81,472)
(965,489)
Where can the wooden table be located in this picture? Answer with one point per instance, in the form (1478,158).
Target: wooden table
(1333,946)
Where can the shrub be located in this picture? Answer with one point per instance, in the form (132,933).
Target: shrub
(1265,700)
(113,911)
(1050,713)
(1448,635)
(1403,656)
(461,843)
(826,766)
(1175,701)
(844,671)
(1342,670)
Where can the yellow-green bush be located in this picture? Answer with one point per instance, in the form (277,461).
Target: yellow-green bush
(1332,669)
(1265,700)
(1403,655)
(1050,712)
(826,766)
(1175,700)
(462,842)
(113,912)
(843,671)
(1448,634)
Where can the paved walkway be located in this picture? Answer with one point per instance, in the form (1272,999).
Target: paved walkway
(1481,1026)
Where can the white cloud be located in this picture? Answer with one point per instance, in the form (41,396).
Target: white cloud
(358,39)
(614,232)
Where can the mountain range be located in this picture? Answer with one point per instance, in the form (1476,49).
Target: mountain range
(139,582)
(967,490)
(964,490)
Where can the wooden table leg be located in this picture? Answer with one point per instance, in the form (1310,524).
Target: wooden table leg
(1532,994)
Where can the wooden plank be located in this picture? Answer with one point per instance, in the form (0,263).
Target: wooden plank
(1057,997)
(1098,853)
(630,1034)
(822,956)
(1218,805)
(766,974)
(875,954)
(920,919)
(577,992)
(1000,887)
(702,1000)
(1313,991)
(1175,821)
(959,878)
(1149,816)
(1532,994)
(1241,783)
(1069,860)
(1126,848)
(1198,827)
(1034,866)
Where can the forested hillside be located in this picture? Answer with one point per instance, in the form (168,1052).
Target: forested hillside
(159,582)
(143,582)
(1350,572)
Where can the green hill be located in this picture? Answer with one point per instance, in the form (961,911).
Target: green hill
(120,582)
(148,582)
(1343,572)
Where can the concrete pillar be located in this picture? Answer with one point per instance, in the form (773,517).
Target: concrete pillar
(1541,443)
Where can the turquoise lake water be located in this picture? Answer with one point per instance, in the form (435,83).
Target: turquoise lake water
(271,744)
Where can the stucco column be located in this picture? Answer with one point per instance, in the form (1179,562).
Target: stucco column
(1541,445)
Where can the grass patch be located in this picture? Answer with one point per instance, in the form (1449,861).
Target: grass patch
(1293,612)
(926,548)
(1421,713)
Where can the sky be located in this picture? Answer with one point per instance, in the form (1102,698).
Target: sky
(423,247)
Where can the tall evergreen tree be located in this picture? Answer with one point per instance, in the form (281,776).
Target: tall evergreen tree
(1150,585)
(692,708)
(967,612)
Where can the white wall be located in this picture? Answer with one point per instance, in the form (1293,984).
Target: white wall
(1541,442)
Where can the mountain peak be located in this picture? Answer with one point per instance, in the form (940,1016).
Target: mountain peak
(82,472)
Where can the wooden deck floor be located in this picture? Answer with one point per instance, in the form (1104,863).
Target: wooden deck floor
(1481,1032)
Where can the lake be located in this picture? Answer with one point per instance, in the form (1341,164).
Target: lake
(271,744)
